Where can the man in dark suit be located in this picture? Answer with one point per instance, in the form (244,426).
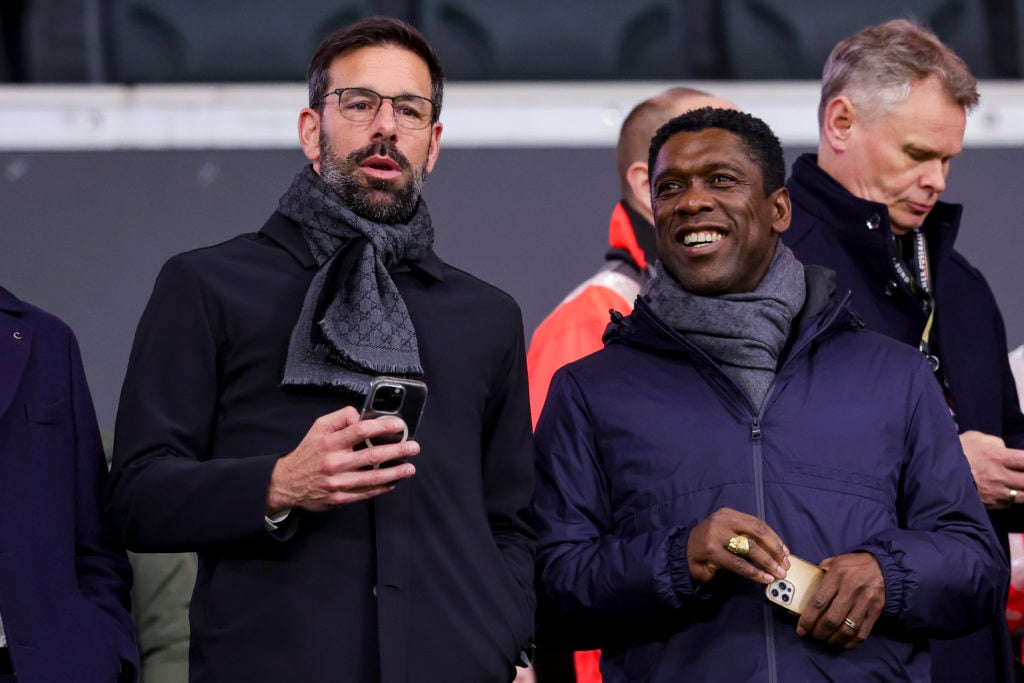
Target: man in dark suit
(238,433)
(64,578)
(892,116)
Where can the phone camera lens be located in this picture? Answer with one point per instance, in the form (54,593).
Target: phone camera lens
(775,592)
(785,598)
(783,586)
(388,399)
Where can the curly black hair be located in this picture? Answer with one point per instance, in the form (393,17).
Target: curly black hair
(758,139)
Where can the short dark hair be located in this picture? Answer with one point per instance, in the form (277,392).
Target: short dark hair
(372,32)
(758,140)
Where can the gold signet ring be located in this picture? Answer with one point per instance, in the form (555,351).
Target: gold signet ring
(739,545)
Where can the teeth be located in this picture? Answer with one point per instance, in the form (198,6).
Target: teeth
(700,238)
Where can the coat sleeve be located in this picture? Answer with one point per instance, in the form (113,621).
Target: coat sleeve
(583,565)
(104,575)
(166,493)
(508,476)
(945,573)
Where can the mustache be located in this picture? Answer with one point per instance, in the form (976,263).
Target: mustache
(383,148)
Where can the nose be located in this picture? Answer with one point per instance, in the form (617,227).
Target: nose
(694,199)
(934,175)
(385,124)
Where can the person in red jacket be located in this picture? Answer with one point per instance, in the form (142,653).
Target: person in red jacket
(574,328)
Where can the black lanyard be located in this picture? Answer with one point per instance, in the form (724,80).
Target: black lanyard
(921,289)
(920,285)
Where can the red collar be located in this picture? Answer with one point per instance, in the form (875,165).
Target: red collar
(622,236)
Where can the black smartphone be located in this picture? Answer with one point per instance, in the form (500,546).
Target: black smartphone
(405,398)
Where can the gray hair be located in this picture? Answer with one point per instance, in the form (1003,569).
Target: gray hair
(876,67)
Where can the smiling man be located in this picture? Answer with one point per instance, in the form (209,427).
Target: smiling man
(740,413)
(238,433)
(893,109)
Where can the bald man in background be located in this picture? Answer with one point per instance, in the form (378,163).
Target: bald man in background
(574,329)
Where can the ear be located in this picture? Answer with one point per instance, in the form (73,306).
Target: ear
(435,145)
(639,181)
(837,125)
(309,136)
(782,210)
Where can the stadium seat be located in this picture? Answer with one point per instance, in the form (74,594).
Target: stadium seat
(219,40)
(791,39)
(569,39)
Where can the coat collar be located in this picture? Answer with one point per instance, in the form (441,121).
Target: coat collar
(15,346)
(862,225)
(10,303)
(285,232)
(624,234)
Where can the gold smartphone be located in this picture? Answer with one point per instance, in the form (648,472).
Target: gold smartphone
(795,591)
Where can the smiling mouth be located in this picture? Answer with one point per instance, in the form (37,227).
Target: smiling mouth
(702,238)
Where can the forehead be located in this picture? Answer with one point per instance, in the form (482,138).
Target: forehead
(388,69)
(696,151)
(928,119)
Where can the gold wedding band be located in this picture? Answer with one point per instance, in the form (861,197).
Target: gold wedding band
(739,545)
(851,624)
(1013,495)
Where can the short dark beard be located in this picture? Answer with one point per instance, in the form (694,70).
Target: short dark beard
(382,201)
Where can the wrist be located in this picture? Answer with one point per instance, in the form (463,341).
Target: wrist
(277,499)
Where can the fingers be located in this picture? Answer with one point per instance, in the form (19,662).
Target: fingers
(847,603)
(1015,461)
(327,469)
(758,562)
(757,551)
(338,420)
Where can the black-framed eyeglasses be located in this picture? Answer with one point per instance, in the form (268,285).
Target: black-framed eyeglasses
(361,105)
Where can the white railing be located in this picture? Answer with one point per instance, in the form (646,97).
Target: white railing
(235,116)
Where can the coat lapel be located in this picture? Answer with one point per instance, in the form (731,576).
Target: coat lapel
(15,344)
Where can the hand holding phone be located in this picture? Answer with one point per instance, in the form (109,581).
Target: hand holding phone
(795,591)
(395,396)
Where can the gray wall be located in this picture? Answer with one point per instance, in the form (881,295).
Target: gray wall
(84,233)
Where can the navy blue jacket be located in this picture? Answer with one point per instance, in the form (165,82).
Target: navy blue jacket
(852,450)
(64,577)
(850,235)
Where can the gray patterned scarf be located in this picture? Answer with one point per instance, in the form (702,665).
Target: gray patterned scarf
(744,333)
(354,323)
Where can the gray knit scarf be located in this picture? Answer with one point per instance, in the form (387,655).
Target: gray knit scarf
(744,333)
(354,323)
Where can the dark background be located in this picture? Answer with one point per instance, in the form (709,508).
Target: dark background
(84,233)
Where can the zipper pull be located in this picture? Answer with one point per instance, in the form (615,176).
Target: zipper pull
(755,432)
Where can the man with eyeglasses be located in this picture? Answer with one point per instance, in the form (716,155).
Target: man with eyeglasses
(238,434)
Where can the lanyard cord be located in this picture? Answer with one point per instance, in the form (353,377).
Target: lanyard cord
(921,288)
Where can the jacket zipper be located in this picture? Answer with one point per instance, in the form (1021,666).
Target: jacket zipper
(757,453)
